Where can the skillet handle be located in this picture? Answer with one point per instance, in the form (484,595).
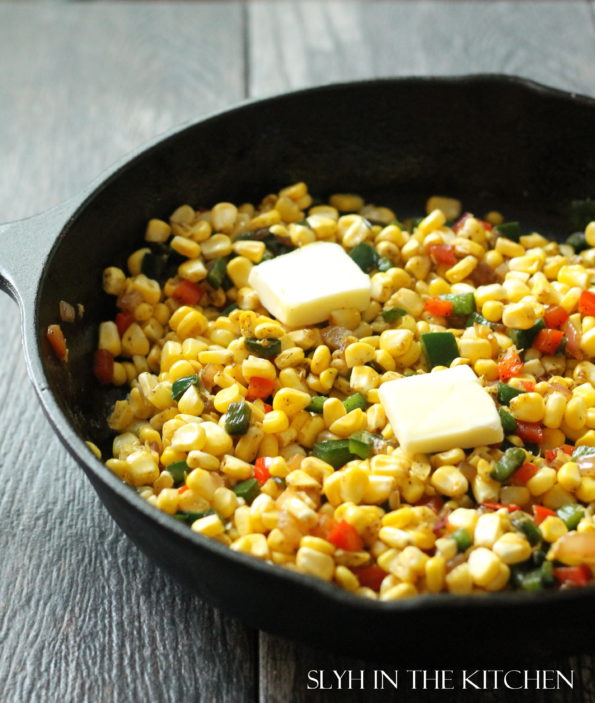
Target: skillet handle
(24,248)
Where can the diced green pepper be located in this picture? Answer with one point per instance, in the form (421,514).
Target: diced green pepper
(265,348)
(237,418)
(152,266)
(528,528)
(511,460)
(229,309)
(547,573)
(506,393)
(365,256)
(317,403)
(476,318)
(583,450)
(581,213)
(393,314)
(178,471)
(180,386)
(529,580)
(523,339)
(510,230)
(357,400)
(217,271)
(462,303)
(191,517)
(440,348)
(362,443)
(463,539)
(578,241)
(571,515)
(507,420)
(334,451)
(248,489)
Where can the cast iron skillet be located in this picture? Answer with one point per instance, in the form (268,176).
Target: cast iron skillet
(495,141)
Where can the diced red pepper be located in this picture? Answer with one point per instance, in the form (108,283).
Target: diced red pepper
(555,316)
(540,512)
(267,407)
(57,341)
(586,303)
(531,432)
(182,489)
(123,321)
(443,254)
(486,225)
(567,449)
(434,502)
(548,341)
(437,306)
(491,505)
(261,469)
(259,387)
(345,536)
(103,366)
(524,473)
(370,576)
(510,365)
(188,292)
(572,575)
(529,386)
(461,221)
(551,455)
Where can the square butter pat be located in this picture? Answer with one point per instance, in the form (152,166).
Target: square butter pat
(437,411)
(305,286)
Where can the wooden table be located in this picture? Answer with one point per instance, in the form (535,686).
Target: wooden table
(83,615)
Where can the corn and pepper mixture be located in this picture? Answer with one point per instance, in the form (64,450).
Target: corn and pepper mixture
(273,441)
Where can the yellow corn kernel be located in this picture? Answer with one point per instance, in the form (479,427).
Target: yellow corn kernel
(188,322)
(180,369)
(252,250)
(492,310)
(500,580)
(134,261)
(449,481)
(512,548)
(142,468)
(528,407)
(217,441)
(191,403)
(519,315)
(555,407)
(157,231)
(215,246)
(210,526)
(569,476)
(247,446)
(353,421)
(433,221)
(487,368)
(167,500)
(552,528)
(450,207)
(488,530)
(435,571)
(461,270)
(398,592)
(459,580)
(574,275)
(238,270)
(321,359)
(235,468)
(275,421)
(586,491)
(475,349)
(543,480)
(463,518)
(484,566)
(188,437)
(575,414)
(290,401)
(396,342)
(311,561)
(134,341)
(109,338)
(509,248)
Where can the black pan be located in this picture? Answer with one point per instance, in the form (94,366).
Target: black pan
(494,141)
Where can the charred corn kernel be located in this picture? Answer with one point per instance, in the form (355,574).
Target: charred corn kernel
(288,358)
(586,491)
(114,280)
(552,528)
(449,481)
(247,446)
(311,561)
(210,526)
(109,338)
(157,231)
(484,566)
(492,310)
(290,401)
(275,421)
(519,316)
(353,421)
(461,269)
(542,481)
(555,407)
(134,341)
(459,580)
(569,476)
(512,548)
(575,414)
(321,359)
(528,407)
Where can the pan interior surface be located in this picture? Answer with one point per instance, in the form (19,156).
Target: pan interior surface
(492,142)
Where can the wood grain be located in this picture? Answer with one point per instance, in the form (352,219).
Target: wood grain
(83,615)
(292,46)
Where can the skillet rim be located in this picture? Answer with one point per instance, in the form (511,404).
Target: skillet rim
(77,448)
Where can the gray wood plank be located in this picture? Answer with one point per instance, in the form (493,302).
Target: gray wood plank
(293,45)
(83,615)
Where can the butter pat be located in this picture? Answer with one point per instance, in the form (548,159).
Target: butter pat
(437,411)
(303,287)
